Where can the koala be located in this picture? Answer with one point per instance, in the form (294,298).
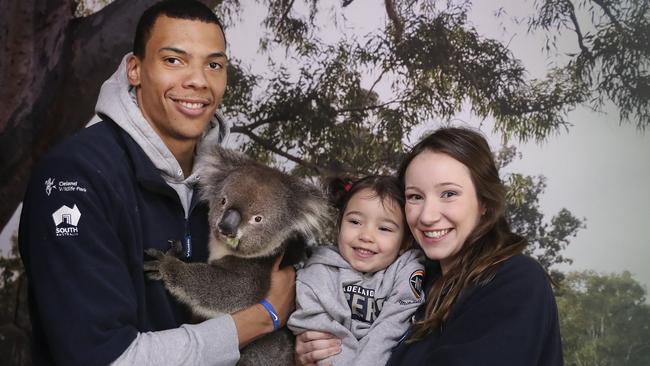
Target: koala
(256,214)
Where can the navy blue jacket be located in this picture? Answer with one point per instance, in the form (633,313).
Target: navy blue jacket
(511,321)
(93,204)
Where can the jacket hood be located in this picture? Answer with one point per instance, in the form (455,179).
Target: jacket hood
(117,100)
(328,255)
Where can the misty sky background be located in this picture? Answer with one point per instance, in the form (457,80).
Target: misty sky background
(598,169)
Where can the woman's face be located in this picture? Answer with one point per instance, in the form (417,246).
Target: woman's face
(442,207)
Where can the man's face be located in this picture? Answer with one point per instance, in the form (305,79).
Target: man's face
(181,79)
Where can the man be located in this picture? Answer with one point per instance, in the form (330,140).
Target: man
(125,184)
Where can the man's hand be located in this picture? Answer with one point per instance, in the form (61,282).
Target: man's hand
(254,322)
(313,346)
(282,294)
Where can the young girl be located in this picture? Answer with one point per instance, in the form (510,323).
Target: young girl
(365,290)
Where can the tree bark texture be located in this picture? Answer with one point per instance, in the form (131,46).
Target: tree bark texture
(51,69)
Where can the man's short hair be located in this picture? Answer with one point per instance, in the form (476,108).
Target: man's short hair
(177,9)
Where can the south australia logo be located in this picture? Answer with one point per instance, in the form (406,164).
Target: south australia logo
(66,220)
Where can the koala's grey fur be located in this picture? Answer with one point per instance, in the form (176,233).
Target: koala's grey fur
(256,214)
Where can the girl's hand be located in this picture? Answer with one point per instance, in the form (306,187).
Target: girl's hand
(313,346)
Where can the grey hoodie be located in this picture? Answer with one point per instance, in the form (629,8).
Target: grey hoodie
(369,312)
(215,341)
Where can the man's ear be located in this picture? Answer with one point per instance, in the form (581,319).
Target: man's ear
(133,69)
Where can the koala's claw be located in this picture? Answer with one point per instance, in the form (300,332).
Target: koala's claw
(175,248)
(154,253)
(152,270)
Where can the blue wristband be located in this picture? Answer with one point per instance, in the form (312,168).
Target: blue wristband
(274,316)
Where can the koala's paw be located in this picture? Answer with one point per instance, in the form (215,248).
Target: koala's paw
(163,267)
(152,268)
(175,248)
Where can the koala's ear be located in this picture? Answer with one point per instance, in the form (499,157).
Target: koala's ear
(313,213)
(219,158)
(214,163)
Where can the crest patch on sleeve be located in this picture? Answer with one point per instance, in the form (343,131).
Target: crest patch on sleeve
(415,280)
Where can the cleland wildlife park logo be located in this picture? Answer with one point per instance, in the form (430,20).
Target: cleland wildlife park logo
(66,220)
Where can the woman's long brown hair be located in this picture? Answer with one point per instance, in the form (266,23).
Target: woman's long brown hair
(490,243)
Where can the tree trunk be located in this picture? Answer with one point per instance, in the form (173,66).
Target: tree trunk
(52,67)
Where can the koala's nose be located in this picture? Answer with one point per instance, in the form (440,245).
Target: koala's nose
(229,222)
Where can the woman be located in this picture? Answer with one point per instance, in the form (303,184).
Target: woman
(487,304)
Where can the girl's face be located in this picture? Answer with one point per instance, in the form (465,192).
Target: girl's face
(442,207)
(371,232)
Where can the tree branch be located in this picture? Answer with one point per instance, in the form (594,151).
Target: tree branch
(574,20)
(259,123)
(377,81)
(609,14)
(274,149)
(394,17)
(287,10)
(367,108)
(34,48)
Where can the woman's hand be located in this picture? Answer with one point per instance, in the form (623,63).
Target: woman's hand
(313,346)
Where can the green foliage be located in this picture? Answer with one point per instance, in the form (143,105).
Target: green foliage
(11,277)
(604,320)
(315,108)
(15,325)
(321,119)
(442,62)
(613,61)
(547,240)
(318,111)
